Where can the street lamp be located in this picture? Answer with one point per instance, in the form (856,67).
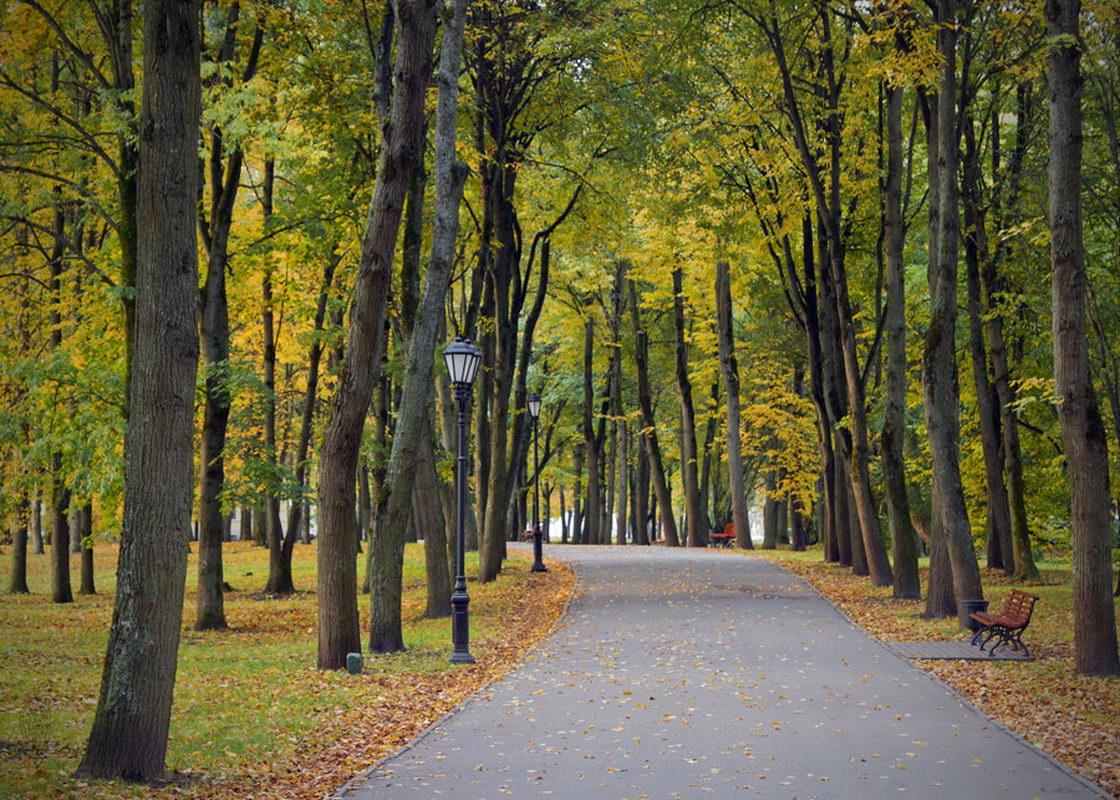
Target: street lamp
(462,359)
(535,412)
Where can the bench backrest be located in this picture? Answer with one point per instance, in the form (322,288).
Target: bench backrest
(1019,606)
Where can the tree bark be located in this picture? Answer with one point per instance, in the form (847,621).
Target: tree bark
(86,586)
(401,147)
(906,583)
(694,507)
(36,525)
(730,369)
(1083,434)
(430,522)
(271,529)
(649,434)
(395,495)
(129,735)
(592,511)
(999,550)
(940,388)
(60,537)
(225,179)
(17,583)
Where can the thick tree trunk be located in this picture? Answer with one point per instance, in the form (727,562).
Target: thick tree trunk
(395,498)
(940,389)
(129,735)
(940,598)
(17,583)
(694,506)
(906,583)
(401,147)
(730,369)
(1083,434)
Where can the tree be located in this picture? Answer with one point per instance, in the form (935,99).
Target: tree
(939,376)
(906,584)
(129,735)
(412,432)
(1083,434)
(731,387)
(338,459)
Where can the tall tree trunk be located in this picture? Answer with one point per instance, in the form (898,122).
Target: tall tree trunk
(270,530)
(280,547)
(940,599)
(940,387)
(592,511)
(999,513)
(577,498)
(129,735)
(17,583)
(1083,434)
(394,501)
(694,507)
(60,537)
(86,586)
(906,583)
(730,369)
(640,521)
(649,435)
(1024,568)
(225,179)
(401,147)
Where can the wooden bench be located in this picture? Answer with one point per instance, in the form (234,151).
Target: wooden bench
(725,537)
(1008,625)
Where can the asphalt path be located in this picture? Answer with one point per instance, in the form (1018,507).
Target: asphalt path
(681,673)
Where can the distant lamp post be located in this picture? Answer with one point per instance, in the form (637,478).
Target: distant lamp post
(538,564)
(462,359)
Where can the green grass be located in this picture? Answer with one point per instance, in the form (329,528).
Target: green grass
(242,696)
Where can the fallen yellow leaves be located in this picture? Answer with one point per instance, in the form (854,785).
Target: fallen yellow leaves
(1073,717)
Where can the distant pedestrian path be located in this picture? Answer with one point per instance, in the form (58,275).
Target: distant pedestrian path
(691,674)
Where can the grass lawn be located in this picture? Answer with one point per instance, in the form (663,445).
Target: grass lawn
(252,715)
(1073,717)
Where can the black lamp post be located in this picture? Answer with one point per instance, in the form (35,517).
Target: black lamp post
(462,360)
(535,412)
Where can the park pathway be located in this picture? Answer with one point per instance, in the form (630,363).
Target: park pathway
(695,674)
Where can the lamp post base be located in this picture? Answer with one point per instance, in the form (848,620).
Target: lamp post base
(460,624)
(538,564)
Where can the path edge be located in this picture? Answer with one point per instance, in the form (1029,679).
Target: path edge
(964,701)
(342,792)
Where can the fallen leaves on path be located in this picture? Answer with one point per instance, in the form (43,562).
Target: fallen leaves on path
(394,709)
(1072,717)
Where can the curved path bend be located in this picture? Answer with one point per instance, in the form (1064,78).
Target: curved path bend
(692,674)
